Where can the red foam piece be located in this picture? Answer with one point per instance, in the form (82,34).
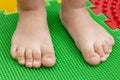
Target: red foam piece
(111,9)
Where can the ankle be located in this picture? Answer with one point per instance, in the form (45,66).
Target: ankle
(32,13)
(73,4)
(32,10)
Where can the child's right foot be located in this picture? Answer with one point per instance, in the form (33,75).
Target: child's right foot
(31,42)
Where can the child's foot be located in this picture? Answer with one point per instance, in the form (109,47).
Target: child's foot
(31,42)
(93,41)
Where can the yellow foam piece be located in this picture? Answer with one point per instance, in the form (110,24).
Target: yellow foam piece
(8,5)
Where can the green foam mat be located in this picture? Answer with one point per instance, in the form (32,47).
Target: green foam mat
(70,64)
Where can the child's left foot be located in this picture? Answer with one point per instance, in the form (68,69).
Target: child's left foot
(93,41)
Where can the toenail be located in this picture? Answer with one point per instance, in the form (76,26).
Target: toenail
(37,60)
(106,52)
(92,58)
(49,59)
(107,55)
(110,50)
(22,60)
(29,63)
(103,59)
(37,63)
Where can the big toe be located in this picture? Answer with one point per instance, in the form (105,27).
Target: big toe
(48,58)
(13,51)
(93,59)
(90,56)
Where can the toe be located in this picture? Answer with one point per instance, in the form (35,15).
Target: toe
(90,56)
(99,49)
(103,59)
(105,48)
(109,42)
(48,57)
(106,51)
(21,55)
(36,58)
(94,59)
(13,51)
(29,58)
(109,46)
(112,41)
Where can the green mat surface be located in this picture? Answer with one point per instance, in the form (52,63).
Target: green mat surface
(70,64)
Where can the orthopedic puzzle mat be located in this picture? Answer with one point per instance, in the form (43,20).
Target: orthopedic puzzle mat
(70,65)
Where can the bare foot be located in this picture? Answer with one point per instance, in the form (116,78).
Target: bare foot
(91,39)
(31,42)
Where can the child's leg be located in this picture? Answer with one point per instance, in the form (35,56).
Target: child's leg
(31,42)
(93,41)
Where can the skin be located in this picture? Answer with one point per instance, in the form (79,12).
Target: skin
(31,43)
(90,38)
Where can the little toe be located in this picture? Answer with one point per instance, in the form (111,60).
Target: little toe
(90,56)
(94,59)
(36,58)
(13,52)
(48,57)
(105,48)
(109,43)
(112,40)
(29,58)
(109,46)
(21,56)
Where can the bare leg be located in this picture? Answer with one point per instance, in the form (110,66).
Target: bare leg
(31,42)
(91,39)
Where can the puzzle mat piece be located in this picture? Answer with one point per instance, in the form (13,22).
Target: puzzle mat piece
(101,18)
(70,64)
(111,9)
